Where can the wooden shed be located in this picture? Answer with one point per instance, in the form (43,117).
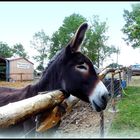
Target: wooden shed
(17,69)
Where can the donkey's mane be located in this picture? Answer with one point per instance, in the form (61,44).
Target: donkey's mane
(54,58)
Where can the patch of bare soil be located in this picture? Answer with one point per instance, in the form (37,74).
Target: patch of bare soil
(17,84)
(83,122)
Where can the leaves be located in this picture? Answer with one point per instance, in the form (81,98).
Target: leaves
(41,44)
(19,50)
(132,26)
(5,50)
(16,50)
(95,42)
(94,45)
(61,37)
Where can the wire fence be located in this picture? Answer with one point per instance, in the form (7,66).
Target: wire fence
(116,87)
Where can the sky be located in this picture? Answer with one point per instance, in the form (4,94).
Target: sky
(20,20)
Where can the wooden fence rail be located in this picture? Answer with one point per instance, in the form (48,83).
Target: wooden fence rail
(12,113)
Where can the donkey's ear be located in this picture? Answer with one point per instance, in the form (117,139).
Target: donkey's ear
(78,38)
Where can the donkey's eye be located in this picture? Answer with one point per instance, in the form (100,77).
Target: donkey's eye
(82,68)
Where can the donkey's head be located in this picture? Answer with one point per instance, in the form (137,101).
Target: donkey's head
(73,72)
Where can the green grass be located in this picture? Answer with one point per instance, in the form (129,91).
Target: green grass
(126,122)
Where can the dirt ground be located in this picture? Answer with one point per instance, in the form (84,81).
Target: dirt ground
(84,122)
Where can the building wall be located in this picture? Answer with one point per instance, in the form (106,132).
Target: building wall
(21,69)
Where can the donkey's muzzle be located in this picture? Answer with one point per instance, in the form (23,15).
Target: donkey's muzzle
(99,97)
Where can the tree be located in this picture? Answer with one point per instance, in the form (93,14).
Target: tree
(94,45)
(132,26)
(61,37)
(19,50)
(5,50)
(40,43)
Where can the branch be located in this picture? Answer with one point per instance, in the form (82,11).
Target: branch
(104,72)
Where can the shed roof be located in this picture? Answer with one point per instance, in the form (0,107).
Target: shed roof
(14,58)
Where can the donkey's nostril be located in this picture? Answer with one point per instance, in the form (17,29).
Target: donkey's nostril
(103,97)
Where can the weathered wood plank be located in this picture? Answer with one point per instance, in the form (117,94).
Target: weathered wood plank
(14,112)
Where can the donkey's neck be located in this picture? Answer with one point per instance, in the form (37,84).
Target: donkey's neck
(49,81)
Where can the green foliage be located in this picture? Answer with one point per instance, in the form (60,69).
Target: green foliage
(94,45)
(41,44)
(19,50)
(132,26)
(5,50)
(16,50)
(61,37)
(40,67)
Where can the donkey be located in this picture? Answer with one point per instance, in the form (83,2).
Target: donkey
(70,71)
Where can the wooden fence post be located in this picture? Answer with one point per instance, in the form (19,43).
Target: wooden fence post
(21,77)
(124,74)
(102,124)
(120,84)
(129,75)
(112,92)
